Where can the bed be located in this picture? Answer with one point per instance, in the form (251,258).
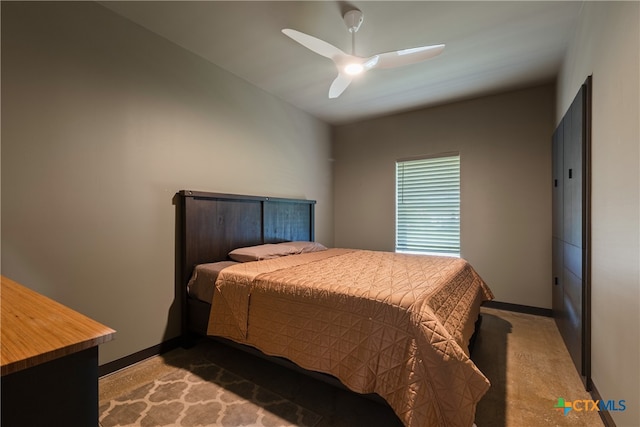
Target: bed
(397,325)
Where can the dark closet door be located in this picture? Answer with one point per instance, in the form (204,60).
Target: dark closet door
(572,227)
(558,218)
(570,295)
(573,143)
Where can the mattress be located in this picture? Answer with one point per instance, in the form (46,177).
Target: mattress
(392,324)
(203,280)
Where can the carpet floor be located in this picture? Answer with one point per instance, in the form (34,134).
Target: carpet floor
(203,394)
(213,384)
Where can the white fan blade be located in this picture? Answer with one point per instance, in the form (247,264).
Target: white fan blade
(371,62)
(339,85)
(407,56)
(318,46)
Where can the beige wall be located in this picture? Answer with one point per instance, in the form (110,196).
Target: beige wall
(606,44)
(102,123)
(505,150)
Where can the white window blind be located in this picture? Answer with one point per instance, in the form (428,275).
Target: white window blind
(428,205)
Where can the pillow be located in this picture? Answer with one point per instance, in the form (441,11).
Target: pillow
(257,253)
(305,247)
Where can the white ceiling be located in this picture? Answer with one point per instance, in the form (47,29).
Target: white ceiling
(490,47)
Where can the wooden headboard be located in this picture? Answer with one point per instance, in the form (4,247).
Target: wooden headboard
(213,224)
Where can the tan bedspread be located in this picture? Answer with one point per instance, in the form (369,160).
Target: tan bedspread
(393,324)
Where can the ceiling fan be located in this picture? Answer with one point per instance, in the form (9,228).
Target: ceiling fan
(350,65)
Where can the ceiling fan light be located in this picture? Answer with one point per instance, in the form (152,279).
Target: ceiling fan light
(353,69)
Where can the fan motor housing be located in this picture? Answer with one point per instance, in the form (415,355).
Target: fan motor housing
(353,19)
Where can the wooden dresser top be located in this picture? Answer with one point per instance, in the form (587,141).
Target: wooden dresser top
(36,329)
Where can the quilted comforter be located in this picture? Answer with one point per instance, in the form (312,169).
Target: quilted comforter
(392,324)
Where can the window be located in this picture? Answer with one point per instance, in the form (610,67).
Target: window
(428,205)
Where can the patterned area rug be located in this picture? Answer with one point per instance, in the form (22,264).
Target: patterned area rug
(203,395)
